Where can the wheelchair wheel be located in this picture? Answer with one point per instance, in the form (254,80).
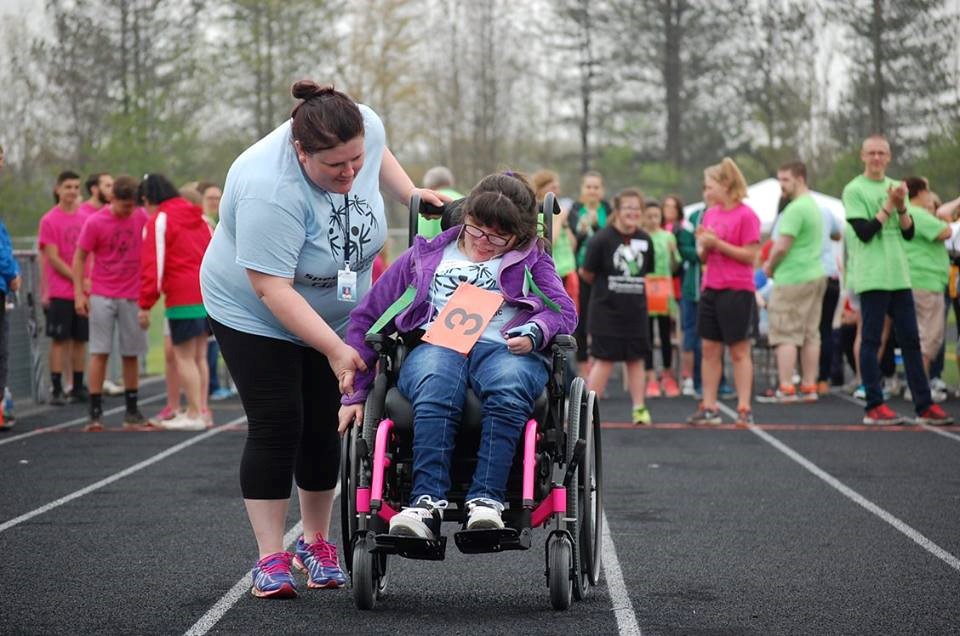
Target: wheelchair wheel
(348,489)
(364,577)
(560,559)
(577,418)
(590,486)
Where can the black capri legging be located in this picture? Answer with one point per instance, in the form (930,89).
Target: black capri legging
(291,399)
(666,345)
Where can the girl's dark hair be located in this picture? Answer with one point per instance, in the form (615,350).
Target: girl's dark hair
(324,118)
(677,202)
(155,189)
(505,202)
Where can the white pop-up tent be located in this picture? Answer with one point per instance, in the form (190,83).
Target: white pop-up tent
(763,197)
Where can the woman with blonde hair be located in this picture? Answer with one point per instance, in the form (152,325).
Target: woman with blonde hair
(727,244)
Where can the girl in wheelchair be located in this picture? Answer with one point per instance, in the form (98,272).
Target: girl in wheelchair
(496,248)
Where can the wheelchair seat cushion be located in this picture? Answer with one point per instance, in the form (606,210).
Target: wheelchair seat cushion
(401,411)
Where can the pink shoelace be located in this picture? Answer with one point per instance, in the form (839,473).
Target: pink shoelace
(278,563)
(325,552)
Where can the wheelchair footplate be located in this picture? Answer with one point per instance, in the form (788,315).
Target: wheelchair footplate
(412,547)
(492,540)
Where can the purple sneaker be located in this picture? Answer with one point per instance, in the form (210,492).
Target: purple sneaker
(272,578)
(319,561)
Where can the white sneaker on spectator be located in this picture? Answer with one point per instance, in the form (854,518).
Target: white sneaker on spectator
(686,387)
(183,422)
(937,384)
(111,388)
(938,395)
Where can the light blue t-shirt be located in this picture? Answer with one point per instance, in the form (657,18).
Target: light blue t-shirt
(274,220)
(455,268)
(828,255)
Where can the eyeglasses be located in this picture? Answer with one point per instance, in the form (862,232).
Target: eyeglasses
(492,239)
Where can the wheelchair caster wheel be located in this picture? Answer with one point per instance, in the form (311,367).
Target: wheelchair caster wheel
(366,577)
(560,560)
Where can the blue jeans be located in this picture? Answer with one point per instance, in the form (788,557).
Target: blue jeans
(874,306)
(691,339)
(435,380)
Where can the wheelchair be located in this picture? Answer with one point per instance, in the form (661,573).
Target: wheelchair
(555,481)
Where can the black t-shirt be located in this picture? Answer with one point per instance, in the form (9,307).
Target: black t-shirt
(618,302)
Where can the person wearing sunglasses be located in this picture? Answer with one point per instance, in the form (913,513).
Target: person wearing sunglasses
(497,248)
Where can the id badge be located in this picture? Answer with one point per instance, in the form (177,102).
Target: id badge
(347,286)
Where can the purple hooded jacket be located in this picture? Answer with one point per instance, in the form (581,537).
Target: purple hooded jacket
(416,268)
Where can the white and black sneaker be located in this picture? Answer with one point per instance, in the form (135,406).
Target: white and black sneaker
(421,520)
(484,514)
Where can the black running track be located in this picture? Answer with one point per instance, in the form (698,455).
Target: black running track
(807,523)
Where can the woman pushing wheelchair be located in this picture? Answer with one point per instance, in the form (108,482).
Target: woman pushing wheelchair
(496,249)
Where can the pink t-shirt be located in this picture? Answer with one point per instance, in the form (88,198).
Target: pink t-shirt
(87,208)
(116,245)
(60,229)
(739,226)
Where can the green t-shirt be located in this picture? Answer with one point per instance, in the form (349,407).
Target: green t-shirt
(428,228)
(802,220)
(880,263)
(929,263)
(663,244)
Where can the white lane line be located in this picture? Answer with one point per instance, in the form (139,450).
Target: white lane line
(74,422)
(241,588)
(933,429)
(854,496)
(117,476)
(619,597)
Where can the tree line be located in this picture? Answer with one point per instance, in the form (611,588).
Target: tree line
(646,91)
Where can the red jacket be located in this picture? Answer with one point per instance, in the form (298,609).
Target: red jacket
(174,241)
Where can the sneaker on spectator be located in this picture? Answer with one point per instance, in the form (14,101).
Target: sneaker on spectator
(808,393)
(892,386)
(95,425)
(484,514)
(938,395)
(135,421)
(164,415)
(3,424)
(112,388)
(641,415)
(882,415)
(860,392)
(78,395)
(223,393)
(934,416)
(8,411)
(705,416)
(207,417)
(421,520)
(183,422)
(744,417)
(937,384)
(670,388)
(58,398)
(272,578)
(686,387)
(726,392)
(786,394)
(823,387)
(653,389)
(319,561)
(767,396)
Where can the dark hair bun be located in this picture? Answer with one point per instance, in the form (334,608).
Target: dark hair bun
(307,89)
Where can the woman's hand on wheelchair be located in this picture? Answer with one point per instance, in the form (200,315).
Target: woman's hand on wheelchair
(349,414)
(345,362)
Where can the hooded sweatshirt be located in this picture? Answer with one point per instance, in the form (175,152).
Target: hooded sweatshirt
(174,242)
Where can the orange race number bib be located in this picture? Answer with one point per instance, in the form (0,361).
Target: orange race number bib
(462,321)
(659,291)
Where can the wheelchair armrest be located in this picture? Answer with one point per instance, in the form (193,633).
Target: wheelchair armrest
(563,342)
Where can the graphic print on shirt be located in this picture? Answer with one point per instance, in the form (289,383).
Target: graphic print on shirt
(628,260)
(362,223)
(120,243)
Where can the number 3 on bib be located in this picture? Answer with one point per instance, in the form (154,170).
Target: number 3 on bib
(462,321)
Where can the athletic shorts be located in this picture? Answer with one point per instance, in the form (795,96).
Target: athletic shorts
(726,315)
(183,329)
(618,349)
(794,313)
(64,323)
(108,313)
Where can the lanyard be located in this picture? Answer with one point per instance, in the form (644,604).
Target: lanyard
(346,234)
